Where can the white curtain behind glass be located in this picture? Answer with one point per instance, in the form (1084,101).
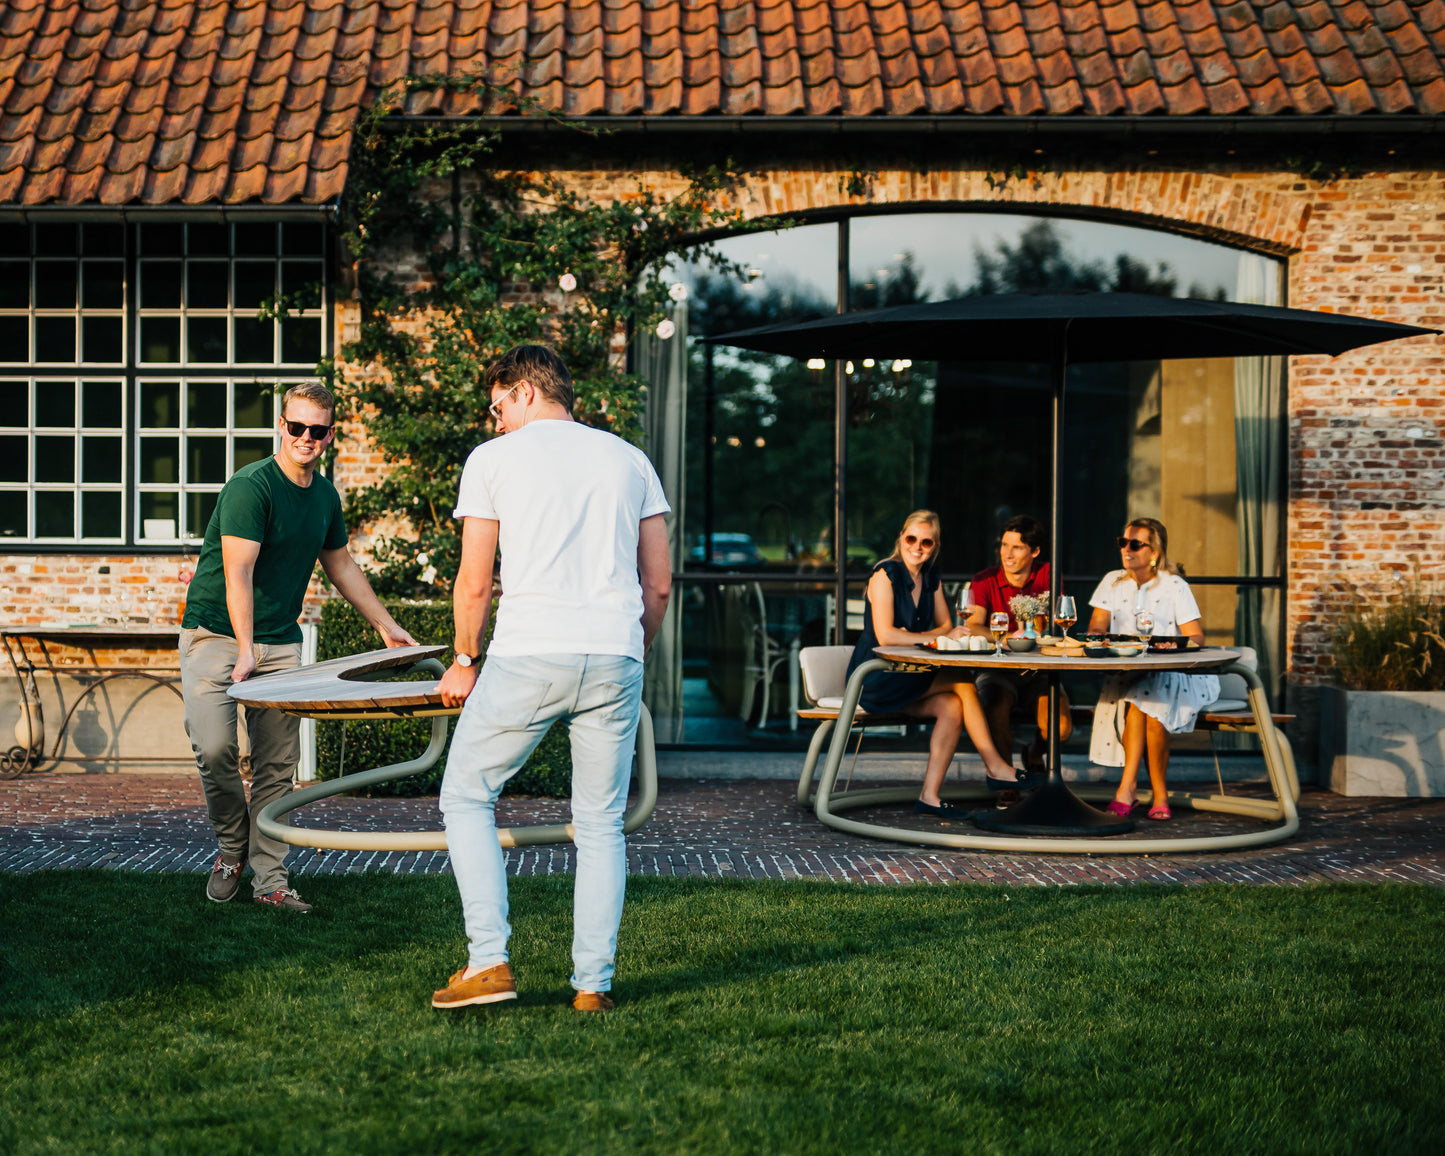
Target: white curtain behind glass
(1259,457)
(663,364)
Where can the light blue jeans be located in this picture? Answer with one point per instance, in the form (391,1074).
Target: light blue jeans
(508,712)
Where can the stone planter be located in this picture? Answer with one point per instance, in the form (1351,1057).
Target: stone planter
(1382,742)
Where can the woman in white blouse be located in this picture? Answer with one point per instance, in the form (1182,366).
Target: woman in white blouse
(1157,705)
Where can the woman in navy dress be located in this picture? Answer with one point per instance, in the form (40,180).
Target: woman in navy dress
(904,605)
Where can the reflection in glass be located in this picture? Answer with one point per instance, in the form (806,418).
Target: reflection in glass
(55,240)
(206,339)
(12,514)
(160,339)
(55,284)
(14,284)
(206,404)
(55,339)
(255,281)
(304,279)
(301,340)
(255,340)
(55,459)
(100,459)
(206,460)
(104,238)
(255,405)
(206,284)
(100,514)
(200,505)
(250,450)
(54,514)
(15,339)
(15,403)
(160,460)
(158,507)
(157,239)
(160,404)
(256,237)
(103,286)
(160,284)
(104,339)
(100,406)
(301,238)
(15,458)
(55,403)
(208,238)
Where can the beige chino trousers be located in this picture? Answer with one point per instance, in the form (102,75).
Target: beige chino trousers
(207,659)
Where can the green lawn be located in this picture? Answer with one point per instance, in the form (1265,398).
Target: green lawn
(752,1018)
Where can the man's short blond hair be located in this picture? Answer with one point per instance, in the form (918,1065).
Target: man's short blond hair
(315,393)
(538,365)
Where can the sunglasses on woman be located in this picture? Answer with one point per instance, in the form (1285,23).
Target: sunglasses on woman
(915,540)
(297,428)
(1131,544)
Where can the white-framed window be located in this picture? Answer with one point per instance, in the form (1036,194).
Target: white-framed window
(135,374)
(62,458)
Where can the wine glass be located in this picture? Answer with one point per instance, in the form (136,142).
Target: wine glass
(1064,613)
(998,627)
(1144,625)
(125,603)
(965,603)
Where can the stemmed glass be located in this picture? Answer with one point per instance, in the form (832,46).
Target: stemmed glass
(1144,625)
(1064,613)
(998,627)
(965,603)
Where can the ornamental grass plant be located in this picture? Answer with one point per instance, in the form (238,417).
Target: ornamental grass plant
(1393,638)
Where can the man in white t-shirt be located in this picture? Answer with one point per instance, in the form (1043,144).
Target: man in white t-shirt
(586,575)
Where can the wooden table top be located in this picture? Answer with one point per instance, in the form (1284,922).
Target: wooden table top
(1203,659)
(335,688)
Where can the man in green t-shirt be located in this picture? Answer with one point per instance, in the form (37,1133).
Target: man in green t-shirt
(274,520)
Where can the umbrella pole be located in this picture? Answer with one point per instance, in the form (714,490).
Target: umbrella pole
(1053,809)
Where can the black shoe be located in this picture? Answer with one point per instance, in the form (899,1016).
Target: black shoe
(942,811)
(1026,781)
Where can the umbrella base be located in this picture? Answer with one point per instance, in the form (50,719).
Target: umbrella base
(1053,809)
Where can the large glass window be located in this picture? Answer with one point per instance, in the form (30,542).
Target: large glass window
(966,438)
(173,376)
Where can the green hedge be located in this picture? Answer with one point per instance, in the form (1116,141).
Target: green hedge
(377,744)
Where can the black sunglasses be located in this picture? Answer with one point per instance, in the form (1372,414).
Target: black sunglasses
(1131,544)
(297,428)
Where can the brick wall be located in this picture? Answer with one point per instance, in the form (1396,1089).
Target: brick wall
(1367,474)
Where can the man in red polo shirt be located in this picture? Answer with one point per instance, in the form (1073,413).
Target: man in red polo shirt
(1019,572)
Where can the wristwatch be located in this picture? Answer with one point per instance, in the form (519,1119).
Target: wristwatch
(467,659)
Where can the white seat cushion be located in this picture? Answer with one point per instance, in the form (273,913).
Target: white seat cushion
(831,703)
(1224,705)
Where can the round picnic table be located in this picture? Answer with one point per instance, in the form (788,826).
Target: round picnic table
(1055,817)
(363,686)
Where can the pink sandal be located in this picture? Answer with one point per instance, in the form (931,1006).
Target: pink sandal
(1160,812)
(1122,809)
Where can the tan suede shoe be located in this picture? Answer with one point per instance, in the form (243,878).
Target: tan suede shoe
(592,1001)
(490,986)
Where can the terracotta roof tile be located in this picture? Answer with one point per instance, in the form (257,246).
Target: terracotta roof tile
(198,100)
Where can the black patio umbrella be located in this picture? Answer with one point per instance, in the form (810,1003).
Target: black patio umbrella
(1055,329)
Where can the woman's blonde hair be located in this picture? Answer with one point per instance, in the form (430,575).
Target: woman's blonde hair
(913,519)
(1158,539)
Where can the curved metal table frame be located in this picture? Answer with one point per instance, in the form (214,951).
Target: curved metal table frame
(352,688)
(1278,758)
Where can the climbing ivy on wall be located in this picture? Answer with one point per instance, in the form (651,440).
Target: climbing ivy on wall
(456,258)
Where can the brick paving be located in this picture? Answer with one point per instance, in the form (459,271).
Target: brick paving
(747,828)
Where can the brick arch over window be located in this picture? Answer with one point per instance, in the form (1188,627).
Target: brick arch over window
(1211,207)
